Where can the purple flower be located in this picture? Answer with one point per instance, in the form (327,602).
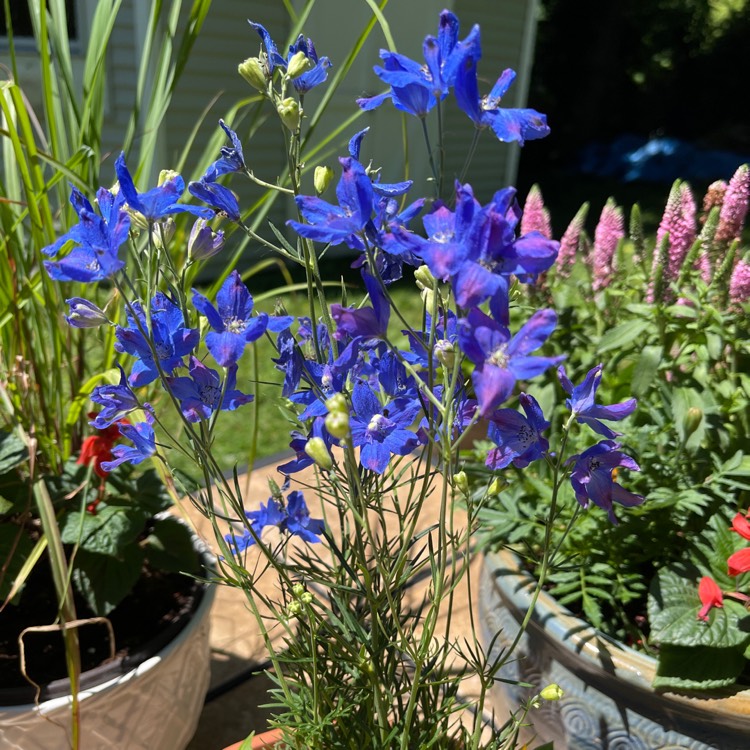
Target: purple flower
(518,437)
(144,444)
(85,314)
(584,407)
(158,202)
(381,431)
(170,338)
(367,323)
(607,235)
(203,242)
(232,323)
(508,124)
(301,460)
(346,222)
(501,359)
(200,395)
(593,474)
(97,237)
(116,401)
(298,521)
(739,284)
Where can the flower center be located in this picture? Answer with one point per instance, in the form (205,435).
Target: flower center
(235,325)
(209,394)
(499,357)
(378,424)
(163,351)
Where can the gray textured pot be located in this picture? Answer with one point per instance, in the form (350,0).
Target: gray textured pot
(608,702)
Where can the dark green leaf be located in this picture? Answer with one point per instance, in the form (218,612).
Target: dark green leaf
(683,668)
(646,369)
(104,580)
(12,451)
(619,336)
(107,532)
(170,547)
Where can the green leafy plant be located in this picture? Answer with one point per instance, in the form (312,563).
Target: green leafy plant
(670,322)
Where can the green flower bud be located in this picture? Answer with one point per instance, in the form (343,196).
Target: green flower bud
(552,692)
(252,71)
(428,295)
(424,278)
(322,179)
(289,112)
(316,449)
(299,64)
(337,403)
(445,353)
(298,589)
(497,486)
(293,609)
(137,219)
(692,421)
(337,423)
(461,482)
(306,597)
(162,232)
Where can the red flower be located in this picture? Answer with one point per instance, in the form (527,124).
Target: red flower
(98,447)
(710,595)
(739,562)
(741,525)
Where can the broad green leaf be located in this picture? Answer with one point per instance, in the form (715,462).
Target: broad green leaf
(109,531)
(104,580)
(12,451)
(673,606)
(683,668)
(619,336)
(169,547)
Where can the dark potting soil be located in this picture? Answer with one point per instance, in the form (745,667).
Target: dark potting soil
(156,610)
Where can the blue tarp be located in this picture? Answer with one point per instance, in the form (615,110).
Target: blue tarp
(632,157)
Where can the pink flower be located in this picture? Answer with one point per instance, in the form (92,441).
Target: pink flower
(535,216)
(710,596)
(734,208)
(714,197)
(678,222)
(739,284)
(609,231)
(566,256)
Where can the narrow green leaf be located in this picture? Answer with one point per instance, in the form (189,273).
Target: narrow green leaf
(619,336)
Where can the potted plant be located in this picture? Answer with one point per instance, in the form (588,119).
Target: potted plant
(86,552)
(378,398)
(661,595)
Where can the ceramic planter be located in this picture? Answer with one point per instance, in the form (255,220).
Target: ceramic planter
(263,741)
(608,701)
(153,706)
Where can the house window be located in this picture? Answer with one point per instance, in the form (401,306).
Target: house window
(21,20)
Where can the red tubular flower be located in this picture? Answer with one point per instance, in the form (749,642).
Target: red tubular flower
(741,524)
(739,562)
(98,447)
(710,596)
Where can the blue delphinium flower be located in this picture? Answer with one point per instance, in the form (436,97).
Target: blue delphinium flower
(298,521)
(232,321)
(116,401)
(593,477)
(144,444)
(272,58)
(217,196)
(508,124)
(518,437)
(415,87)
(170,337)
(381,431)
(231,159)
(299,440)
(317,73)
(85,314)
(584,407)
(158,202)
(97,237)
(270,514)
(500,358)
(201,394)
(345,223)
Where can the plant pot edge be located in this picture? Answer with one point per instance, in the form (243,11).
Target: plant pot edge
(264,741)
